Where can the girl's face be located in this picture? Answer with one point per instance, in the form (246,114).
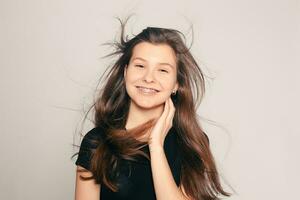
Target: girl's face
(151,74)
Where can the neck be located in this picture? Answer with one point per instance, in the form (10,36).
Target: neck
(138,115)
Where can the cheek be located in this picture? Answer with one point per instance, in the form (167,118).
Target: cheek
(132,75)
(168,83)
(132,81)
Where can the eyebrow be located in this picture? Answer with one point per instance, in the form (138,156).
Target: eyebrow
(163,63)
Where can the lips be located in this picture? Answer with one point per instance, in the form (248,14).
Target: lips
(147,88)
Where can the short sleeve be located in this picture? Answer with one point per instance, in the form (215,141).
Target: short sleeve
(89,143)
(176,169)
(173,155)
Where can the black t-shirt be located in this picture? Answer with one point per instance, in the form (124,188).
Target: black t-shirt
(139,183)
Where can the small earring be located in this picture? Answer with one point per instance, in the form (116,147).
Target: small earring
(174,92)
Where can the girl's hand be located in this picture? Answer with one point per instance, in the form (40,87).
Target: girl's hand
(163,124)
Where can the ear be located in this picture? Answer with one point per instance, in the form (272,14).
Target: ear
(176,86)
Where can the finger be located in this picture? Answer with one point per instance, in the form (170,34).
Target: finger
(171,103)
(172,107)
(166,110)
(166,115)
(169,118)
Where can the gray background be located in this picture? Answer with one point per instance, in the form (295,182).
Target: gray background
(50,62)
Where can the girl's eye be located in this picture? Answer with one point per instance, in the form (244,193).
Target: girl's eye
(164,70)
(141,66)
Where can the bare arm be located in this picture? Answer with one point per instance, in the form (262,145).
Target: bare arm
(86,190)
(164,183)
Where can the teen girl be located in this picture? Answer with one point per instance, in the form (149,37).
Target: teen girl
(147,143)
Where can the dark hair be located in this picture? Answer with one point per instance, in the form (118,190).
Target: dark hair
(199,174)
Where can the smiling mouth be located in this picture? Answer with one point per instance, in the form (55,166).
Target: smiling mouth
(147,90)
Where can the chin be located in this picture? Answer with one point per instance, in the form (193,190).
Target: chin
(147,103)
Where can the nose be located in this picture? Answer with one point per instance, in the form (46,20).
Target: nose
(148,76)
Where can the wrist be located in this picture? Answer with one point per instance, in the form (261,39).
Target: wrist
(156,148)
(155,144)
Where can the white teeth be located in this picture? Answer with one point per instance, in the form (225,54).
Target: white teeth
(147,90)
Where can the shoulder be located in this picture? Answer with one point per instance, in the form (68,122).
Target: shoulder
(92,138)
(88,144)
(94,133)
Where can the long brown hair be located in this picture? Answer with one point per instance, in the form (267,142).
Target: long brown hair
(199,174)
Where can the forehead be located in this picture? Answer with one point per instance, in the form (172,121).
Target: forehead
(156,53)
